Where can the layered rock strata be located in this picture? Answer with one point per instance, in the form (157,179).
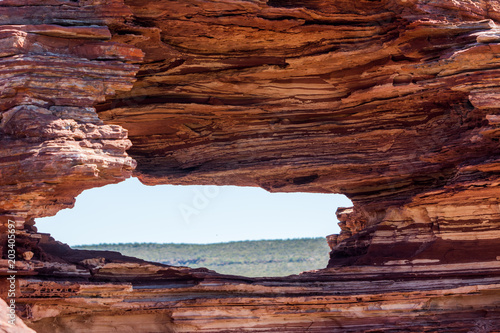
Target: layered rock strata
(394,103)
(55,64)
(95,291)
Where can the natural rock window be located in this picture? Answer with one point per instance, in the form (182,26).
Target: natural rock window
(139,215)
(394,103)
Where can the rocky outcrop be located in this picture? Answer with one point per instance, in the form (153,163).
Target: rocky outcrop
(378,101)
(56,63)
(394,103)
(96,291)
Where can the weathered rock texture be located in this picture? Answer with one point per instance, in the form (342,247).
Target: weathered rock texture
(55,65)
(90,291)
(56,62)
(395,103)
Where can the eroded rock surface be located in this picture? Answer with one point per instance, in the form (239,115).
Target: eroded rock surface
(55,64)
(395,103)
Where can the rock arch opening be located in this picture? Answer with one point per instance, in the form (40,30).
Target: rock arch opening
(394,103)
(232,230)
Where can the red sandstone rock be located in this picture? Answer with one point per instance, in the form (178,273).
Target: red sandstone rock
(393,103)
(52,140)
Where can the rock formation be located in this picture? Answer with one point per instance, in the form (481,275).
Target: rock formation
(394,103)
(55,65)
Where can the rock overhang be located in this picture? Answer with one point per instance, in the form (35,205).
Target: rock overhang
(393,103)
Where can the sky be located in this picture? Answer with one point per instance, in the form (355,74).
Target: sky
(133,212)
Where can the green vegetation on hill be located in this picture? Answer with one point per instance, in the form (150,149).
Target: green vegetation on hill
(246,258)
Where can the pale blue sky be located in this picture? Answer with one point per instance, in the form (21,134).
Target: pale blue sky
(133,212)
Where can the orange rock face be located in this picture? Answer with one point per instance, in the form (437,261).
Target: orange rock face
(395,103)
(53,71)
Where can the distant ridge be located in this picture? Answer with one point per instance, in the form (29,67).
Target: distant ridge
(246,258)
